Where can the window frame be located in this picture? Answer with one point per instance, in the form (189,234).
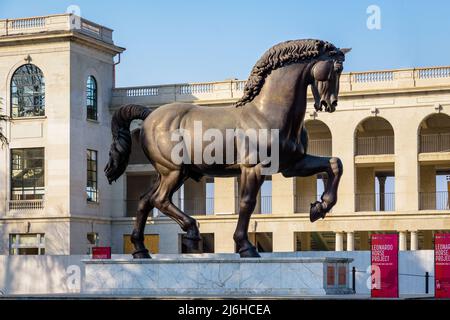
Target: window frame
(21,166)
(91,98)
(15,97)
(15,246)
(91,194)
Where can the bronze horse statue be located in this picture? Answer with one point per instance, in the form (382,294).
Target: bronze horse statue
(274,97)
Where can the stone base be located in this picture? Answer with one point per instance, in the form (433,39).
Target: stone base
(218,275)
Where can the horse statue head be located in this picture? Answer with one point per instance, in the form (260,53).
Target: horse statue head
(323,59)
(325,75)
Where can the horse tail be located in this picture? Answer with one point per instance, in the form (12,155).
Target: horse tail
(120,150)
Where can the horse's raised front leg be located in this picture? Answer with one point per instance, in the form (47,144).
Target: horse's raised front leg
(310,165)
(250,183)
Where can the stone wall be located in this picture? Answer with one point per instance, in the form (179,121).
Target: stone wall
(59,274)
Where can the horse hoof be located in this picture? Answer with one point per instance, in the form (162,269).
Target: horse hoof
(316,212)
(192,245)
(141,254)
(249,252)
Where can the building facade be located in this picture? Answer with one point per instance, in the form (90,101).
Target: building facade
(391,130)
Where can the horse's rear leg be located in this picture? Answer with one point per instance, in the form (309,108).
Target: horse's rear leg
(145,206)
(310,165)
(162,199)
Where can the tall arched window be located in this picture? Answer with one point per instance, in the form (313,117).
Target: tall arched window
(27,92)
(91,98)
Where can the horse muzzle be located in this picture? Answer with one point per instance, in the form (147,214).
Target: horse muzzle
(329,105)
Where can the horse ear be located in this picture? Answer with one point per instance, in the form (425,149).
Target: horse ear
(346,50)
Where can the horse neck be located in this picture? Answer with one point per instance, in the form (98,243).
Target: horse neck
(282,98)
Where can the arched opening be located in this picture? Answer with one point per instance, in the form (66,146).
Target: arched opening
(374,136)
(309,189)
(434,133)
(91,98)
(374,168)
(27,92)
(319,138)
(434,162)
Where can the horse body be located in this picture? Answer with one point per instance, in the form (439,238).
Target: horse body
(274,98)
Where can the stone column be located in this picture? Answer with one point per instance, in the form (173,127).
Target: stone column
(427,199)
(350,241)
(382,182)
(414,241)
(225,199)
(406,164)
(223,238)
(402,241)
(339,242)
(305,193)
(365,189)
(283,241)
(345,151)
(282,194)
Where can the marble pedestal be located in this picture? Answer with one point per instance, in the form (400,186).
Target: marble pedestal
(218,275)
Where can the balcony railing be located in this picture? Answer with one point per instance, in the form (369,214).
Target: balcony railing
(439,142)
(438,200)
(374,145)
(197,206)
(26,204)
(375,202)
(370,81)
(263,205)
(57,22)
(373,76)
(303,202)
(266,204)
(320,147)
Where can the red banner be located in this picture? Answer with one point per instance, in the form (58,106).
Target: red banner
(384,260)
(101,253)
(442,265)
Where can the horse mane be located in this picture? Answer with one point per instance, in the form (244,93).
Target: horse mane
(280,55)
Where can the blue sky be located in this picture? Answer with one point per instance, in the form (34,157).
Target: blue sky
(184,41)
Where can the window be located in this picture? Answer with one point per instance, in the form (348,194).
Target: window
(91,98)
(27,244)
(151,242)
(27,174)
(27,92)
(91,186)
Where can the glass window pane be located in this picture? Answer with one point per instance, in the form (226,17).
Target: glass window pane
(91,98)
(28,92)
(28,239)
(91,181)
(27,173)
